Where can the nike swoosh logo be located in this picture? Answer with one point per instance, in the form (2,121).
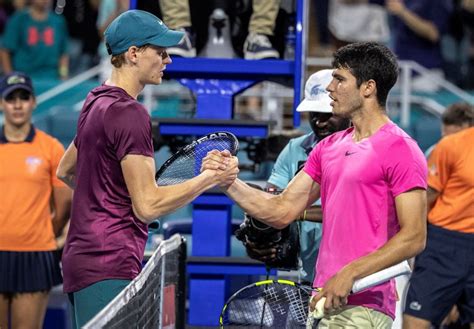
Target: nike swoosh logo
(349,153)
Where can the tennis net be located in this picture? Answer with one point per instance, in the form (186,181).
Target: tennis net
(155,298)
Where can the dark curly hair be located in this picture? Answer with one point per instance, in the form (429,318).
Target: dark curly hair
(366,61)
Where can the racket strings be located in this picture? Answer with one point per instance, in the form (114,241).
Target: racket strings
(299,304)
(187,164)
(268,306)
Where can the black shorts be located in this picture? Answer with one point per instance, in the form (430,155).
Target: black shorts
(443,276)
(28,271)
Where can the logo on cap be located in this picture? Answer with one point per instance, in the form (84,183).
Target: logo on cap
(15,79)
(109,50)
(160,22)
(317,90)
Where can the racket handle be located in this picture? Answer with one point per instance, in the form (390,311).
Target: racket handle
(381,276)
(319,309)
(367,282)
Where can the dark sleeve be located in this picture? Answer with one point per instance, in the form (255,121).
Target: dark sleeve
(128,128)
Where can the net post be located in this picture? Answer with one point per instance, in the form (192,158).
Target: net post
(181,288)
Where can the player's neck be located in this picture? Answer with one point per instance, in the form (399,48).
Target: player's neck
(367,123)
(124,79)
(16,133)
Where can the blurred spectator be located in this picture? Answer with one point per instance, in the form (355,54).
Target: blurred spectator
(322,12)
(454,44)
(81,18)
(467,7)
(19,4)
(443,273)
(177,15)
(261,26)
(108,10)
(467,14)
(6,9)
(35,42)
(35,208)
(455,118)
(358,21)
(417,31)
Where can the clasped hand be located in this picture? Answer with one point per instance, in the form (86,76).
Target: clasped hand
(223,166)
(335,291)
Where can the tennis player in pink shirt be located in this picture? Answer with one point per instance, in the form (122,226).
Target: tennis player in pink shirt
(372,182)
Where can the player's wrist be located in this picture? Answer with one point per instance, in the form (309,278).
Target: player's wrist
(350,271)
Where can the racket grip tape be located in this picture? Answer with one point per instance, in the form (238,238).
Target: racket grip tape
(367,282)
(381,276)
(318,311)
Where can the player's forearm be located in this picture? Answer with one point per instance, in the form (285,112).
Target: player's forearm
(66,170)
(59,222)
(163,200)
(404,245)
(268,208)
(62,199)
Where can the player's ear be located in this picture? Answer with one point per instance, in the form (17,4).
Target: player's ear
(131,54)
(369,88)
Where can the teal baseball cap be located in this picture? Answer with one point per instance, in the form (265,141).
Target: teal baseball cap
(138,28)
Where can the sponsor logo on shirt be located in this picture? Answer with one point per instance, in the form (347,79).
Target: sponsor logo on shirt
(33,163)
(35,36)
(349,153)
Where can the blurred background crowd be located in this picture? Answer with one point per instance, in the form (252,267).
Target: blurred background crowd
(436,34)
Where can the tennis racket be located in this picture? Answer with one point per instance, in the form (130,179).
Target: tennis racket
(268,304)
(186,162)
(285,304)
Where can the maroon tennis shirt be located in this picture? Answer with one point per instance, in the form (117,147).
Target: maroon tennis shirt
(105,240)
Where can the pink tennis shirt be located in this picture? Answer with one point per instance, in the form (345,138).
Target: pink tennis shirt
(359,183)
